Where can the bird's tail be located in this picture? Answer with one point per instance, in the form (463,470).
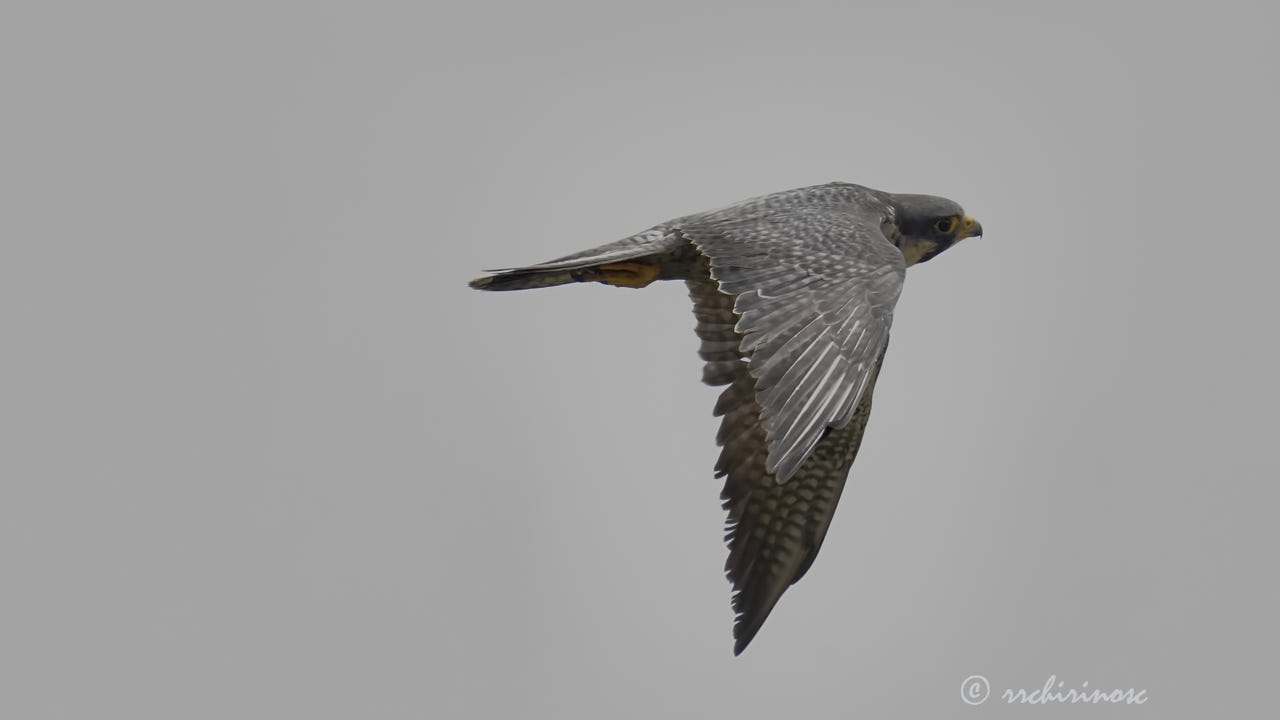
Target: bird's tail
(525,278)
(633,262)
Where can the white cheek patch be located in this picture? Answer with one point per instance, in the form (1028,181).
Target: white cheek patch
(915,250)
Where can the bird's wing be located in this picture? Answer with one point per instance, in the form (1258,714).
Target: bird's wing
(793,307)
(813,290)
(774,531)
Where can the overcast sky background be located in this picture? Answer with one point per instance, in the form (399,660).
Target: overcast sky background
(265,455)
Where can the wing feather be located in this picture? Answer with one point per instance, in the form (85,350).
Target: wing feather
(793,309)
(814,282)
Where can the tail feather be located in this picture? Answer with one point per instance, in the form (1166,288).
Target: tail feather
(523,279)
(573,268)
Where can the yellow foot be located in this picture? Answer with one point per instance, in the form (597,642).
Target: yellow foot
(632,275)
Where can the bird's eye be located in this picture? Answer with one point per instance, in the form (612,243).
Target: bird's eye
(945,225)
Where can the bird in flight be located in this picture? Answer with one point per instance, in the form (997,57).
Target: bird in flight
(793,294)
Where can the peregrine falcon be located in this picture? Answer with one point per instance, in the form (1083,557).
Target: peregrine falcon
(793,294)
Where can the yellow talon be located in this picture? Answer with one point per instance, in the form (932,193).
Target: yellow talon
(632,275)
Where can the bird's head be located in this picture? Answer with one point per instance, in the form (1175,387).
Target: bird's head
(926,225)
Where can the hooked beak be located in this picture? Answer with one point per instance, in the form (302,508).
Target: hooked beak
(969,227)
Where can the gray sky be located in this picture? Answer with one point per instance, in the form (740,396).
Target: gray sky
(267,456)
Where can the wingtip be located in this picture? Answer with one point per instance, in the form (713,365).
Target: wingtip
(744,633)
(740,642)
(481,283)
